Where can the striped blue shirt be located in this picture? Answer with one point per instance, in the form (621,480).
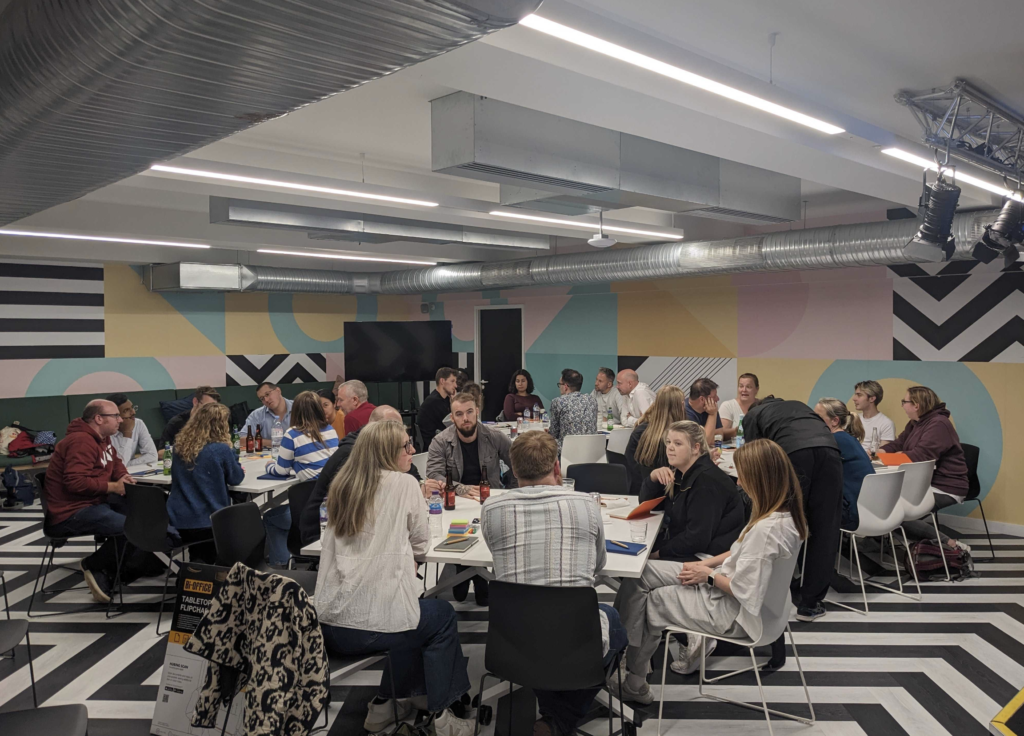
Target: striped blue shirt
(301,455)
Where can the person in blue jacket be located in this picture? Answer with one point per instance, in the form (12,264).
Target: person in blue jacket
(848,433)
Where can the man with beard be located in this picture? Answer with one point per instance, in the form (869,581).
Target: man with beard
(470,450)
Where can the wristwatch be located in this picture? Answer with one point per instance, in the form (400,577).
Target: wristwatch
(711,580)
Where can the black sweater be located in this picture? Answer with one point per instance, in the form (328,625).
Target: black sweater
(430,416)
(792,424)
(706,513)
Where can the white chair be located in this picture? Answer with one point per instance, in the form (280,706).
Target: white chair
(618,439)
(775,610)
(419,461)
(917,498)
(583,448)
(881,513)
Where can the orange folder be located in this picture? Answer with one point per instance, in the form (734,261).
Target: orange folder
(642,511)
(894,458)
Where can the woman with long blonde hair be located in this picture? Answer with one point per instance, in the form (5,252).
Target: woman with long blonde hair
(203,466)
(367,593)
(723,594)
(849,434)
(645,450)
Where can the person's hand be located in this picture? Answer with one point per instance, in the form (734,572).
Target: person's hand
(116,487)
(654,555)
(716,454)
(430,485)
(665,476)
(694,575)
(127,426)
(472,492)
(710,406)
(129,480)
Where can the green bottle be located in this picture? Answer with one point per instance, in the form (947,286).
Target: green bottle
(739,434)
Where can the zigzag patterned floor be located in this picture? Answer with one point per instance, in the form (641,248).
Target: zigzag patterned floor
(944,666)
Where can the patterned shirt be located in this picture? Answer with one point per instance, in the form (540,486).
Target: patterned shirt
(299,453)
(573,413)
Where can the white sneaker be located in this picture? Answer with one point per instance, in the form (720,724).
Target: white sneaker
(447,724)
(690,663)
(381,715)
(643,695)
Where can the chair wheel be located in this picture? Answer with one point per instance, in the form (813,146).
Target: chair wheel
(486,712)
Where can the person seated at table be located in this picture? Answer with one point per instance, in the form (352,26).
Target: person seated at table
(352,401)
(437,405)
(704,511)
(867,395)
(930,435)
(848,433)
(723,594)
(367,592)
(470,450)
(552,524)
(637,397)
(309,521)
(731,412)
(308,443)
(203,466)
(572,412)
(607,397)
(645,449)
(474,390)
(702,407)
(335,416)
(520,396)
(202,395)
(131,437)
(276,411)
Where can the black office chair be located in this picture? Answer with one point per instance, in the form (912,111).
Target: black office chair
(298,496)
(604,478)
(11,635)
(545,638)
(972,454)
(66,720)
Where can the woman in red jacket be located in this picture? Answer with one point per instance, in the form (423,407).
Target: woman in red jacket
(930,435)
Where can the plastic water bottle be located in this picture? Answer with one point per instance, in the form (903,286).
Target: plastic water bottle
(536,412)
(167,459)
(739,434)
(611,424)
(276,435)
(434,507)
(323,520)
(236,440)
(526,415)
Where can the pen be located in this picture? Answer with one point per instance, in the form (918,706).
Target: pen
(619,544)
(455,539)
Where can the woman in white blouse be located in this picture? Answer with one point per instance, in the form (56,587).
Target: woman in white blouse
(367,594)
(723,594)
(733,410)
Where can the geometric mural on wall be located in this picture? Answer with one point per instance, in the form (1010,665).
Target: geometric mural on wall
(958,311)
(250,370)
(658,371)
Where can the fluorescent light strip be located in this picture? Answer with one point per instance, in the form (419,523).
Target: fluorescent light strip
(593,227)
(341,257)
(101,239)
(288,185)
(621,53)
(956,173)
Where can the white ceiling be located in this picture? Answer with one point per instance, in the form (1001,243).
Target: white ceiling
(838,61)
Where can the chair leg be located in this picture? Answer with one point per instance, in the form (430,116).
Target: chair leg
(938,539)
(854,558)
(31,670)
(510,708)
(163,594)
(118,588)
(394,694)
(664,671)
(991,548)
(622,704)
(44,568)
(760,689)
(483,679)
(800,669)
(7,603)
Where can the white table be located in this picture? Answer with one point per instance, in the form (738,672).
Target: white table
(726,462)
(253,466)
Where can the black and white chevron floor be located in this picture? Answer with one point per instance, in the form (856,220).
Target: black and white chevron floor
(943,666)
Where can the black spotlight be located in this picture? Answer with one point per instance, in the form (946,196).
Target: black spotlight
(932,241)
(1002,236)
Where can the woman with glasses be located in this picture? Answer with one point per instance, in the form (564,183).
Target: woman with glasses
(367,593)
(132,437)
(308,443)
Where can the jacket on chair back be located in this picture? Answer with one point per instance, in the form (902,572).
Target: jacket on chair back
(264,627)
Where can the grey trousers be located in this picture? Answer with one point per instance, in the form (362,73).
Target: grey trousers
(656,600)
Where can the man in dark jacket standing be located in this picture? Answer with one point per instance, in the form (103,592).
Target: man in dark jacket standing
(815,455)
(437,405)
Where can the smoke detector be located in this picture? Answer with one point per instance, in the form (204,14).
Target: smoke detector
(600,240)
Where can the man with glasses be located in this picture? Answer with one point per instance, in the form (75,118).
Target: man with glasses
(275,409)
(572,412)
(132,436)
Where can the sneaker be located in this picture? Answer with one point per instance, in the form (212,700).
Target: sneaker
(642,695)
(545,727)
(809,613)
(380,715)
(447,724)
(690,662)
(99,584)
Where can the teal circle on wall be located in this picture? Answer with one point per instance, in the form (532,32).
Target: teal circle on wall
(54,378)
(969,402)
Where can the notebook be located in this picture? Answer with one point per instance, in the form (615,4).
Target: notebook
(461,546)
(642,511)
(632,548)
(894,458)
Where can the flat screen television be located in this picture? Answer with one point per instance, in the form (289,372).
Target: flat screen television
(397,351)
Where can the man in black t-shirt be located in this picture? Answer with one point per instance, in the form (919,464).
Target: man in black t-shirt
(202,395)
(433,410)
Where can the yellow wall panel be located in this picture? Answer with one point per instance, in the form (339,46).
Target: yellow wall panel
(656,323)
(323,316)
(247,322)
(1007,390)
(399,308)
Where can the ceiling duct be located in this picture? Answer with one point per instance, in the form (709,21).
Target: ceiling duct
(358,227)
(93,92)
(549,163)
(866,244)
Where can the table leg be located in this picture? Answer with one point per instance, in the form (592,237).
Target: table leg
(612,583)
(460,577)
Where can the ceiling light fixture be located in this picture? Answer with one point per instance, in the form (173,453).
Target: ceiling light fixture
(1003,236)
(340,257)
(933,240)
(586,225)
(948,171)
(288,185)
(101,239)
(629,56)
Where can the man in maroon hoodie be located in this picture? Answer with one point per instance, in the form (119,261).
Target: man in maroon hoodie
(83,471)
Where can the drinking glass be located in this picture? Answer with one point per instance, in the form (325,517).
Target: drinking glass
(596,498)
(638,531)
(569,484)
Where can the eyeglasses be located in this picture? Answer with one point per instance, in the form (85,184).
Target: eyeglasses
(108,415)
(133,407)
(410,447)
(906,401)
(561,383)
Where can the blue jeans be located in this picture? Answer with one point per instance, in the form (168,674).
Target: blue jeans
(103,521)
(277,522)
(427,660)
(568,707)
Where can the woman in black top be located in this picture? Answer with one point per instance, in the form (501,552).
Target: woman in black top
(645,450)
(704,511)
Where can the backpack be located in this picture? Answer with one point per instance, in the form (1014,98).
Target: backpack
(926,557)
(19,485)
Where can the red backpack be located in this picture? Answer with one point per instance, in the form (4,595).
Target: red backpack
(926,557)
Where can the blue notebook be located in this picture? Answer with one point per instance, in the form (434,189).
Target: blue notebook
(269,476)
(632,548)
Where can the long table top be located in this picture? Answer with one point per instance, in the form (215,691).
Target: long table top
(253,466)
(479,555)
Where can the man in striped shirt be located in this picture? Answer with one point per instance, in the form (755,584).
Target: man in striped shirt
(542,534)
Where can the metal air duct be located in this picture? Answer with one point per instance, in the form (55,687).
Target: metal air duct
(93,91)
(870,244)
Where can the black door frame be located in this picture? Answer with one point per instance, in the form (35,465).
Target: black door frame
(476,339)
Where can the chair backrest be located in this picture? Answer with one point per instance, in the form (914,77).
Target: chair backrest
(545,638)
(605,478)
(239,535)
(917,479)
(778,601)
(972,453)
(879,495)
(146,520)
(618,439)
(298,497)
(419,460)
(583,448)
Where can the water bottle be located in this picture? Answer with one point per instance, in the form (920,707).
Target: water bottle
(739,434)
(323,520)
(236,440)
(875,443)
(526,415)
(434,507)
(276,434)
(536,412)
(611,424)
(167,459)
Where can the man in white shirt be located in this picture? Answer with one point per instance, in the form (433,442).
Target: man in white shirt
(132,436)
(867,395)
(607,398)
(637,397)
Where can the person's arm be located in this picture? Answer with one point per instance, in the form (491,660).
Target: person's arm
(285,462)
(602,550)
(233,473)
(592,412)
(932,444)
(897,444)
(81,477)
(147,450)
(509,408)
(418,524)
(655,485)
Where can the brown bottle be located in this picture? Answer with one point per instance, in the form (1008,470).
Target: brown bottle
(259,439)
(485,485)
(250,443)
(449,490)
